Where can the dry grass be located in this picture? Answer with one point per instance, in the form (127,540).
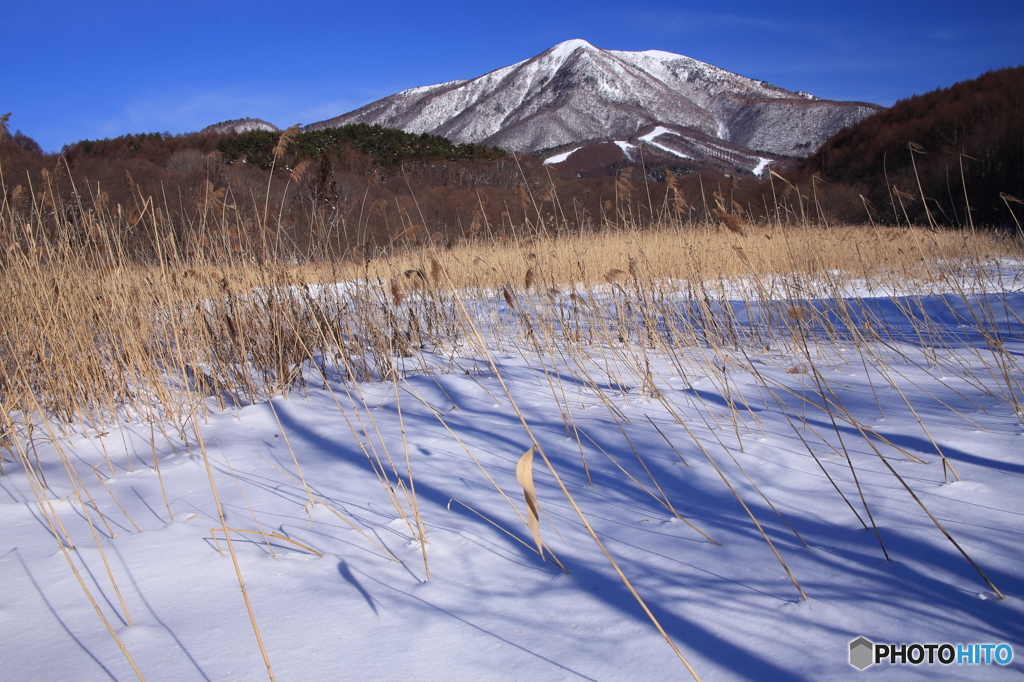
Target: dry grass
(88,329)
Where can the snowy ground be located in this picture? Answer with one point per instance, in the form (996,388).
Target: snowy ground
(492,609)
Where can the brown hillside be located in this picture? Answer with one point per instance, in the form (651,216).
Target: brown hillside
(966,143)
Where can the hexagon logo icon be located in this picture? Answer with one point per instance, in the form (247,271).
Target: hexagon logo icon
(862,653)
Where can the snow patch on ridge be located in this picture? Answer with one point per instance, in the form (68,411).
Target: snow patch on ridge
(559,158)
(657,132)
(762,164)
(428,88)
(649,137)
(662,55)
(626,148)
(673,152)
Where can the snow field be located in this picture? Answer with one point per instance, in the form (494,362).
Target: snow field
(776,393)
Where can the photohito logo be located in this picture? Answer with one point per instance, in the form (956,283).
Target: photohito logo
(863,652)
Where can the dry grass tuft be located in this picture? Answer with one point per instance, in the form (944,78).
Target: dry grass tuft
(732,222)
(436,270)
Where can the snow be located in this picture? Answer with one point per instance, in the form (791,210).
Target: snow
(661,55)
(762,164)
(562,50)
(492,609)
(658,130)
(626,148)
(423,89)
(671,151)
(675,69)
(559,158)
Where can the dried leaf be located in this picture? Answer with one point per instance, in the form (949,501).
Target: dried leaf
(524,474)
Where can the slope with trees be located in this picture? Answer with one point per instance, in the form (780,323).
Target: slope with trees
(961,148)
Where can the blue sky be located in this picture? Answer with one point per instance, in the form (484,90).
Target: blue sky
(88,70)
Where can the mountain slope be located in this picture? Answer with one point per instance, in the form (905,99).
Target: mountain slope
(575,92)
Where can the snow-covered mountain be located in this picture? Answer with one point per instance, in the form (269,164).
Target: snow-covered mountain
(576,94)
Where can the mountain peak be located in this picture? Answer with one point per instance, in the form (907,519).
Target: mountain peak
(564,49)
(575,93)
